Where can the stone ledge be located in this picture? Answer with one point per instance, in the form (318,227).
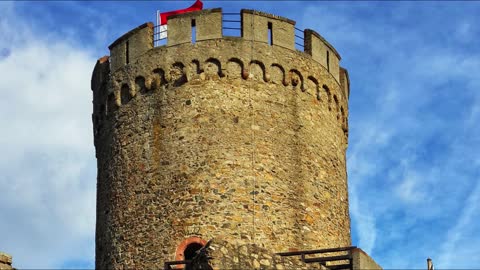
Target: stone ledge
(313,32)
(268,15)
(195,13)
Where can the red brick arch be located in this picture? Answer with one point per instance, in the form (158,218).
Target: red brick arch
(183,245)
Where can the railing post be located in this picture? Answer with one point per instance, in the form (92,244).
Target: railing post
(429,264)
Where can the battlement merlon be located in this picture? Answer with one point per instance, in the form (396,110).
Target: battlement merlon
(255,26)
(322,52)
(100,73)
(131,45)
(345,82)
(208,24)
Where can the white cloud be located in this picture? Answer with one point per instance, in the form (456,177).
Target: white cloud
(409,190)
(456,251)
(364,220)
(47,161)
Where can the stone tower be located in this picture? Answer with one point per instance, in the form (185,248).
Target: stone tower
(237,139)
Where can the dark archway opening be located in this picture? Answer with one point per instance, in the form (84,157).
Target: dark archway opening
(190,250)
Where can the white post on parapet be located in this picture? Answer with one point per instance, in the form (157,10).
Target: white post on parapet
(429,264)
(157,28)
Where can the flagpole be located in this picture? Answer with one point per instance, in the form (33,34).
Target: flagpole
(157,28)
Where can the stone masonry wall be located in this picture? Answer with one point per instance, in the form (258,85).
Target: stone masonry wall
(5,261)
(361,260)
(226,139)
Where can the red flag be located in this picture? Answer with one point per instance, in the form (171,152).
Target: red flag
(198,5)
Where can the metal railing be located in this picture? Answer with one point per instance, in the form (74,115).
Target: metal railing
(299,39)
(231,27)
(331,258)
(157,33)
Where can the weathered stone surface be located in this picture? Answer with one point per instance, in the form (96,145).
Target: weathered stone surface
(5,261)
(361,260)
(226,139)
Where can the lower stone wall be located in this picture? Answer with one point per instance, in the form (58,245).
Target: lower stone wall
(361,260)
(234,256)
(251,256)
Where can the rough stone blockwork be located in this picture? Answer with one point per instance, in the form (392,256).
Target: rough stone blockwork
(5,261)
(232,139)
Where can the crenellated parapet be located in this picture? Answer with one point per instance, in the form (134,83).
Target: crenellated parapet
(255,26)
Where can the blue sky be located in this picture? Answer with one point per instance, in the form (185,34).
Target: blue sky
(413,162)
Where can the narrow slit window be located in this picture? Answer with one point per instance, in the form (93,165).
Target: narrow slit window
(194,32)
(270,34)
(127,60)
(328,60)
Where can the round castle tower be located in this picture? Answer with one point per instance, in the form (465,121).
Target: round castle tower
(237,139)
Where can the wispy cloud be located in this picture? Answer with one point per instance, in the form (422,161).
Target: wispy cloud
(47,161)
(413,111)
(456,250)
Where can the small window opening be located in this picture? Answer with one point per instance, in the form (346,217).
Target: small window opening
(111,103)
(194,32)
(127,60)
(327,91)
(102,109)
(337,106)
(270,35)
(125,95)
(328,60)
(190,252)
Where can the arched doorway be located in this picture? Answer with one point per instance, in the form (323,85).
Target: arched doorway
(186,250)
